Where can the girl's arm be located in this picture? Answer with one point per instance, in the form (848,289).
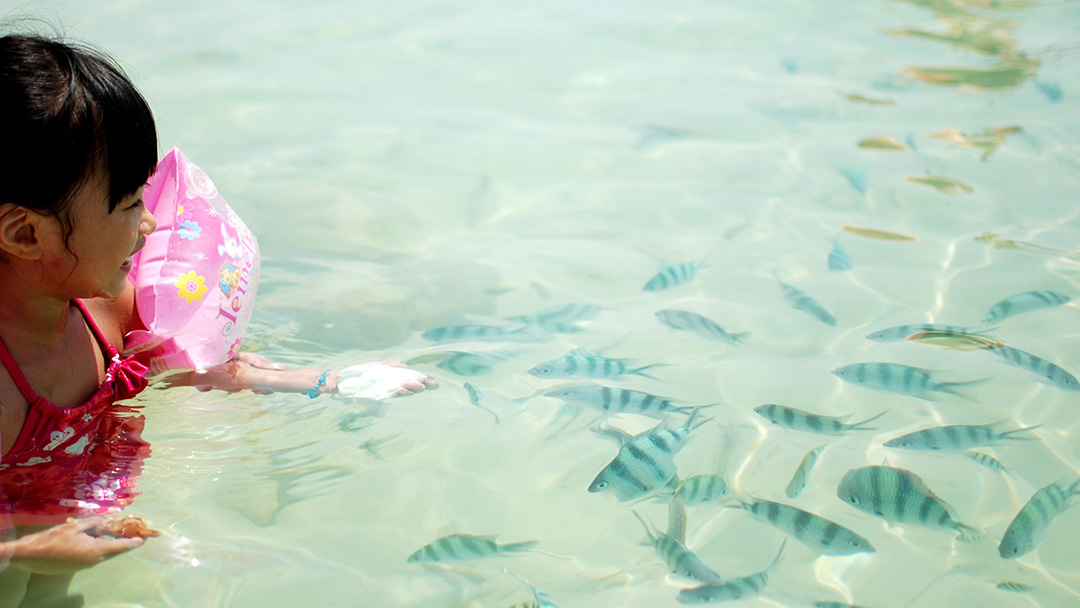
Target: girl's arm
(64,548)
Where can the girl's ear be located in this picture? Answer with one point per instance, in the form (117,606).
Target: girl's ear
(19,231)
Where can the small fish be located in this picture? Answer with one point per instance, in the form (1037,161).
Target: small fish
(857,98)
(463,547)
(560,319)
(855,176)
(882,143)
(467,364)
(732,590)
(940,183)
(988,141)
(673,275)
(1024,302)
(1013,587)
(474,333)
(580,363)
(899,496)
(902,380)
(800,301)
(676,518)
(995,240)
(903,332)
(875,233)
(701,489)
(645,462)
(541,599)
(839,259)
(987,461)
(955,340)
(814,531)
(678,558)
(1031,523)
(798,480)
(958,437)
(799,420)
(615,400)
(476,397)
(1038,366)
(695,323)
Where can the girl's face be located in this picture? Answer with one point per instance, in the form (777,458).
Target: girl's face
(102,243)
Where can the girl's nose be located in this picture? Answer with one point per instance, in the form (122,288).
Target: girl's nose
(148,223)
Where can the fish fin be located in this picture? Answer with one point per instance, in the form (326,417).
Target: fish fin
(619,436)
(647,525)
(967,534)
(779,556)
(640,371)
(859,425)
(582,352)
(740,338)
(951,388)
(522,546)
(1012,434)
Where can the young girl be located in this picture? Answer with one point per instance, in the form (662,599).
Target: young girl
(78,145)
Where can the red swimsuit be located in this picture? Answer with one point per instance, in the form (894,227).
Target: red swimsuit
(72,462)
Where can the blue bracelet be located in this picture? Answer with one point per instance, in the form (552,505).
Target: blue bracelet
(314,392)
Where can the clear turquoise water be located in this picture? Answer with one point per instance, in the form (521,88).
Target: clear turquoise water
(415,164)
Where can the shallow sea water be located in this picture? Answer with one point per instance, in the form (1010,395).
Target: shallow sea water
(418,164)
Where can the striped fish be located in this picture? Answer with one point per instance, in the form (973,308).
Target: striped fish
(902,380)
(678,558)
(695,323)
(701,489)
(673,275)
(839,260)
(615,400)
(1029,527)
(1013,587)
(903,332)
(645,462)
(987,461)
(475,333)
(1024,302)
(560,319)
(798,480)
(958,437)
(676,519)
(816,532)
(581,363)
(1038,366)
(899,496)
(732,590)
(799,420)
(800,301)
(464,547)
(467,364)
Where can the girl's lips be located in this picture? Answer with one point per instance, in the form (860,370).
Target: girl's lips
(128,263)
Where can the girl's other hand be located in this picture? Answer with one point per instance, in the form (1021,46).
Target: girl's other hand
(66,548)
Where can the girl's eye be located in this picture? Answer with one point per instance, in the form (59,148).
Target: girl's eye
(138,203)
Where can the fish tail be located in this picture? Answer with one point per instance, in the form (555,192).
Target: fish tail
(1012,434)
(859,425)
(953,388)
(968,534)
(522,546)
(640,371)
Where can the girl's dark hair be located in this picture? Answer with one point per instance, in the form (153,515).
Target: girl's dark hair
(66,112)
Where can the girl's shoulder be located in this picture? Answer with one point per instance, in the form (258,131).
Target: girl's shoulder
(115,317)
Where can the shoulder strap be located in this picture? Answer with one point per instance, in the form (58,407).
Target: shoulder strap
(97,332)
(16,374)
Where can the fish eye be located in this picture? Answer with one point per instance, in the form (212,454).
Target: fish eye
(853,500)
(601,485)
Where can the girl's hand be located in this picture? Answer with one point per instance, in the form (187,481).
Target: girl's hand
(67,548)
(411,387)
